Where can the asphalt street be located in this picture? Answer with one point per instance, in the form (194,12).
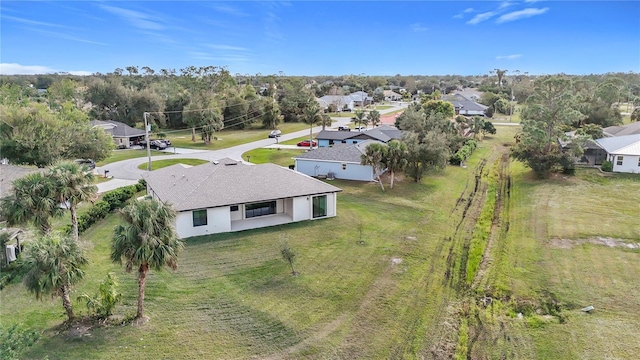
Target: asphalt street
(128,169)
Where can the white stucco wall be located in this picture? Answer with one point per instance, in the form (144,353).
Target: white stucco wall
(629,163)
(353,171)
(218,220)
(301,208)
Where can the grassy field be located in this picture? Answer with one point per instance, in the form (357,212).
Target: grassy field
(377,281)
(119,155)
(278,156)
(159,164)
(228,138)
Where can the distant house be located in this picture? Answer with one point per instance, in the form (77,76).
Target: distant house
(383,134)
(623,152)
(345,102)
(123,135)
(340,161)
(226,195)
(390,95)
(340,102)
(466,107)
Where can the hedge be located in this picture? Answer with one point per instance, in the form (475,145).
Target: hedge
(111,201)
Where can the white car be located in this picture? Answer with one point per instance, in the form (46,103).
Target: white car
(275,134)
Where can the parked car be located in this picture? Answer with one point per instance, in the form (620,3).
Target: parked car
(153,144)
(165,141)
(275,134)
(86,162)
(305,143)
(344,128)
(359,128)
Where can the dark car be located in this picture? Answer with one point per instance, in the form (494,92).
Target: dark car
(305,143)
(344,128)
(165,141)
(86,162)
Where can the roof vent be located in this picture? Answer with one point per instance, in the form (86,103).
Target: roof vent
(215,162)
(231,163)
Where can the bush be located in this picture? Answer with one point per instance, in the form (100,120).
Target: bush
(607,166)
(103,303)
(16,339)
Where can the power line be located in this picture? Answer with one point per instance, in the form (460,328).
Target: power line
(206,109)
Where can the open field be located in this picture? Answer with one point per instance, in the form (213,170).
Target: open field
(228,138)
(159,164)
(401,293)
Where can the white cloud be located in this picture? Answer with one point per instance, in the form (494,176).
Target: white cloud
(135,18)
(418,27)
(504,5)
(482,17)
(508,57)
(468,10)
(17,69)
(29,22)
(226,47)
(229,10)
(521,14)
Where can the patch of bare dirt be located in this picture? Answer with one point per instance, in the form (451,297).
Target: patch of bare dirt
(605,241)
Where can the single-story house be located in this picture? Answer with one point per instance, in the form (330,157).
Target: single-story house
(123,135)
(361,98)
(466,107)
(384,134)
(622,130)
(227,195)
(623,152)
(390,95)
(341,102)
(341,161)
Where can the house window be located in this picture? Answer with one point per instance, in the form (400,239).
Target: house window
(619,160)
(319,206)
(199,217)
(639,162)
(260,209)
(344,166)
(234,207)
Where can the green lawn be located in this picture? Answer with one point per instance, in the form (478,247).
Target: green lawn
(383,107)
(386,297)
(278,156)
(159,164)
(119,155)
(228,138)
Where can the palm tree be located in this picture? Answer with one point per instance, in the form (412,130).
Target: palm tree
(395,158)
(359,119)
(73,184)
(52,264)
(312,116)
(33,200)
(374,118)
(146,240)
(325,120)
(373,155)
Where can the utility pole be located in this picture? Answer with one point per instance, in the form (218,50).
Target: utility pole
(146,136)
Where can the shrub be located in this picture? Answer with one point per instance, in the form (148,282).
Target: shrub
(16,339)
(107,298)
(607,166)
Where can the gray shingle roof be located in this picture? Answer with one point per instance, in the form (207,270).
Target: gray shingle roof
(339,152)
(9,173)
(629,129)
(212,185)
(463,103)
(120,129)
(383,133)
(621,145)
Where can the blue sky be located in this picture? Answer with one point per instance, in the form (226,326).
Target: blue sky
(322,37)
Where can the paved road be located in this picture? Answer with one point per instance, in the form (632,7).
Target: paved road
(128,169)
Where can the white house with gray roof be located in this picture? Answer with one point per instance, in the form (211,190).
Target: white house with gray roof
(623,152)
(341,161)
(383,134)
(226,195)
(123,135)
